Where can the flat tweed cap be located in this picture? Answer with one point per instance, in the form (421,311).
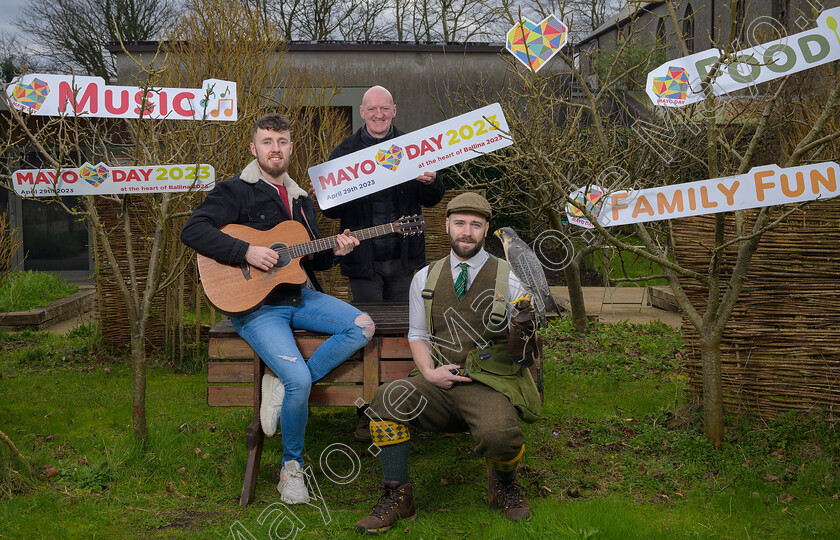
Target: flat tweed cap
(470,202)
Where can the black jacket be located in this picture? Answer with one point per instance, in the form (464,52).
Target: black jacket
(407,199)
(248,200)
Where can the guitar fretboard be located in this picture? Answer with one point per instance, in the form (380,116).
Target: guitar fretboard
(314,246)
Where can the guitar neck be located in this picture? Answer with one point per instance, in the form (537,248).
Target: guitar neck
(314,246)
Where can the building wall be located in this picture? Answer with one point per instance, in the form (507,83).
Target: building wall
(422,78)
(712,22)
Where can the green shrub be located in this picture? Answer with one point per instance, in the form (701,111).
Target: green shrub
(23,291)
(631,64)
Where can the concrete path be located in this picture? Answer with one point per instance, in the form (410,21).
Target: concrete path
(616,304)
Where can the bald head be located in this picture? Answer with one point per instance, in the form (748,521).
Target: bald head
(378,110)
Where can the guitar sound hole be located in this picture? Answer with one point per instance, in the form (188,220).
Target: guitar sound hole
(282,251)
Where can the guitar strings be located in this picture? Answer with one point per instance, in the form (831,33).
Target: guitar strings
(320,244)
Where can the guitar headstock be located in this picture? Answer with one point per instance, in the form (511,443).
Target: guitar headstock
(415,224)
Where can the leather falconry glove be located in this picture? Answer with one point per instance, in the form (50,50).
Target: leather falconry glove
(522,339)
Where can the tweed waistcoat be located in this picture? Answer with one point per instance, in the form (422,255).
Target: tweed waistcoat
(465,321)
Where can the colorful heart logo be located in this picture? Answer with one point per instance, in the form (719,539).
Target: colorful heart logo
(674,85)
(535,44)
(94,175)
(390,159)
(591,198)
(30,97)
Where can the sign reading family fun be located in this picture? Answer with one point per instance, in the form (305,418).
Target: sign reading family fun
(404,158)
(103,180)
(768,185)
(677,82)
(535,44)
(56,95)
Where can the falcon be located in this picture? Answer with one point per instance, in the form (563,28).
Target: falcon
(528,269)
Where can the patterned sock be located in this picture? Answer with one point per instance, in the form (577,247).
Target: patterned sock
(394,460)
(506,470)
(392,439)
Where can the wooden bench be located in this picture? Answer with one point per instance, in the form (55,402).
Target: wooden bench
(235,371)
(234,374)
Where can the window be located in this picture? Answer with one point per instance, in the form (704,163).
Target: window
(53,240)
(661,45)
(740,20)
(781,12)
(688,28)
(660,32)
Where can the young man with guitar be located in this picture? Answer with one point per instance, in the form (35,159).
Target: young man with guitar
(264,197)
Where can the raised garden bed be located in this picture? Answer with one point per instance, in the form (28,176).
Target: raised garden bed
(58,311)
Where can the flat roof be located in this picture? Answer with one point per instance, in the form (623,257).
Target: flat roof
(335,46)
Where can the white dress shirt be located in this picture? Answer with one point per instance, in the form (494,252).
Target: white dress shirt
(418,329)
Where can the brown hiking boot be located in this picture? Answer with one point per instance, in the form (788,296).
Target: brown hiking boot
(362,432)
(509,497)
(396,503)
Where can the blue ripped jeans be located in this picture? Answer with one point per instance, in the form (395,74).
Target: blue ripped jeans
(269,332)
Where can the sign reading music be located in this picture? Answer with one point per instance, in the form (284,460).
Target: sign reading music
(57,95)
(404,158)
(103,180)
(768,185)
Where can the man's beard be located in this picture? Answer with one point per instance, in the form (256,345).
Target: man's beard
(273,170)
(468,252)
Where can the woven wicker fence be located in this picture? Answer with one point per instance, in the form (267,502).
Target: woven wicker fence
(113,316)
(781,347)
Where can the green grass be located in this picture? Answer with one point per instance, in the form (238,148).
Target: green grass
(617,455)
(22,291)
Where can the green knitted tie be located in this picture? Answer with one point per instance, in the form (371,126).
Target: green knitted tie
(461,282)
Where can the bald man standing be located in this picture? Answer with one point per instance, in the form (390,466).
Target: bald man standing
(381,269)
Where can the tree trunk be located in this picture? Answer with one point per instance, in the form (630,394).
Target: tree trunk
(138,379)
(712,390)
(572,273)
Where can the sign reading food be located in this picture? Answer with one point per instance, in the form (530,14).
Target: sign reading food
(60,95)
(103,180)
(404,158)
(678,82)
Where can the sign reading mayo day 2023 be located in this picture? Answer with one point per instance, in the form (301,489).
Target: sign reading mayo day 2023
(405,157)
(56,95)
(103,180)
(767,185)
(677,82)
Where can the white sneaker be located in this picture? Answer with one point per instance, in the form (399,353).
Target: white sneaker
(292,487)
(272,398)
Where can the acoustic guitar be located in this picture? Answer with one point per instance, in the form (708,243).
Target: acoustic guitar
(239,290)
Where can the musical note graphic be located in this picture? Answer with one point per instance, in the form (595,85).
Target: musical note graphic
(209,93)
(227,112)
